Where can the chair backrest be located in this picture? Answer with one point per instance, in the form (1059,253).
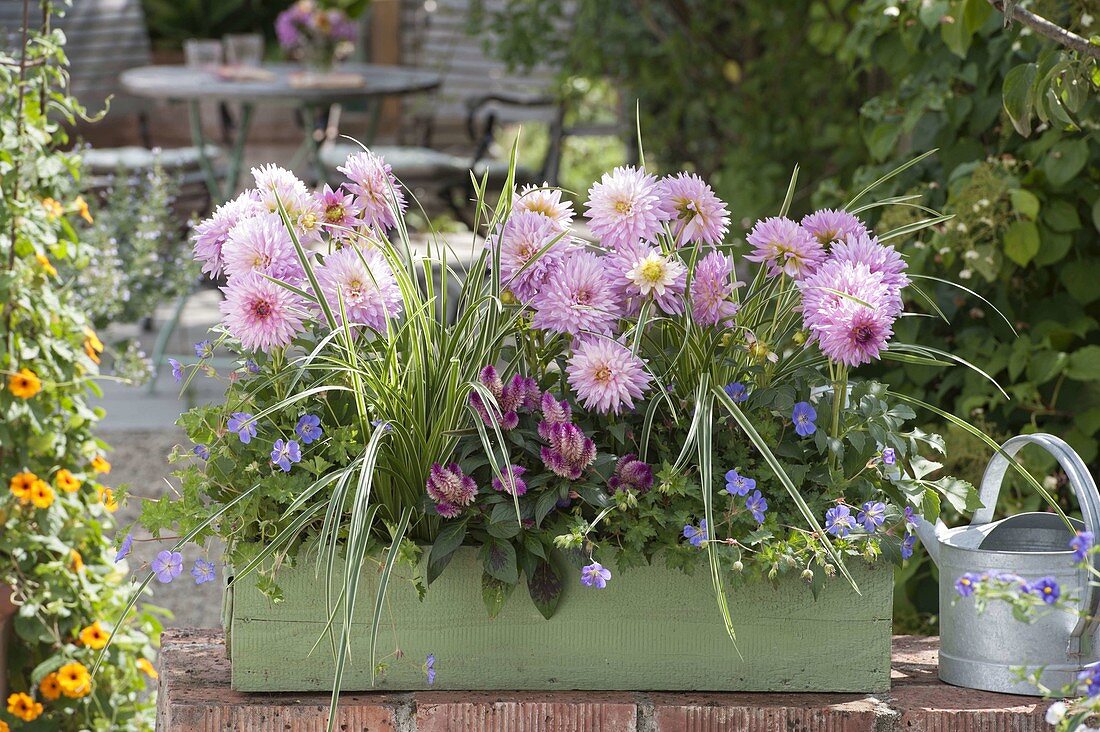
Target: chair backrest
(103,39)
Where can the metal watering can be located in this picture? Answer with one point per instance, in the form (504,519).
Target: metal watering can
(980,651)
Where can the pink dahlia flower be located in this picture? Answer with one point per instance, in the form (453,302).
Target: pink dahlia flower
(377,192)
(640,272)
(820,290)
(850,310)
(829,225)
(210,235)
(606,375)
(545,201)
(275,184)
(698,216)
(363,279)
(785,247)
(881,258)
(578,299)
(524,266)
(625,207)
(261,314)
(338,210)
(854,334)
(712,289)
(261,244)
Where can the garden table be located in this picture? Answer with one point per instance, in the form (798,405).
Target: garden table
(192,86)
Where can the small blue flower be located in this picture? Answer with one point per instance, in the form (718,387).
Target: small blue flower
(252,367)
(696,535)
(309,428)
(910,518)
(757,505)
(595,575)
(177,369)
(804,415)
(1082,545)
(739,485)
(429,666)
(125,548)
(907,545)
(889,457)
(202,451)
(872,515)
(1046,588)
(204,349)
(736,391)
(243,425)
(966,584)
(167,566)
(382,425)
(203,571)
(839,521)
(1090,678)
(284,453)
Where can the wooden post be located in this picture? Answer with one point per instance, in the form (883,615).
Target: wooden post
(385,45)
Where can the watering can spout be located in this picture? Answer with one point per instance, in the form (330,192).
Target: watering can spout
(931,535)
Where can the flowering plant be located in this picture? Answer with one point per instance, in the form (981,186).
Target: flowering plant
(314,33)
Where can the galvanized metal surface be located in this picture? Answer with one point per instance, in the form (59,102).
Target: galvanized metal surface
(987,650)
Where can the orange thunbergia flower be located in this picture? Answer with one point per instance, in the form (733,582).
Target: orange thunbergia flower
(74,679)
(100,464)
(82,209)
(41,494)
(24,384)
(94,636)
(21,484)
(92,345)
(46,265)
(4,726)
(145,665)
(66,481)
(76,561)
(24,707)
(53,208)
(107,498)
(50,688)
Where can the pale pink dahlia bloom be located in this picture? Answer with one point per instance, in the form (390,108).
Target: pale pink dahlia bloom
(338,210)
(376,190)
(881,258)
(625,207)
(697,214)
(275,184)
(578,299)
(524,266)
(712,287)
(261,244)
(362,278)
(606,375)
(210,234)
(261,314)
(850,310)
(829,225)
(785,247)
(547,201)
(640,272)
(854,334)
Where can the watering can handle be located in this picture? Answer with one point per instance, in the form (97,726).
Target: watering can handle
(1084,487)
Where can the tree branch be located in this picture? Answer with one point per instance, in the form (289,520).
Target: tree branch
(1044,27)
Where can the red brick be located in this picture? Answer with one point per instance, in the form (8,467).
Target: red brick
(736,712)
(526,712)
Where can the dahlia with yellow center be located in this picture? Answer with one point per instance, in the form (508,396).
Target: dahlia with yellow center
(66,481)
(74,679)
(24,384)
(41,494)
(94,636)
(24,707)
(50,688)
(654,273)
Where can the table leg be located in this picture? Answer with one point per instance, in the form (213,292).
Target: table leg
(237,154)
(199,141)
(219,194)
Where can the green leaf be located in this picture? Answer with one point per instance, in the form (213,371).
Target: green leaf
(449,539)
(545,587)
(1061,215)
(1018,96)
(1084,364)
(962,496)
(1080,279)
(499,560)
(1024,202)
(494,593)
(1096,214)
(1065,160)
(1021,242)
(882,138)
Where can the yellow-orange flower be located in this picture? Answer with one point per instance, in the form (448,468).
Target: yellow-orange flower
(24,707)
(4,726)
(24,384)
(147,667)
(41,494)
(74,679)
(53,208)
(107,498)
(94,636)
(50,688)
(76,561)
(21,484)
(82,209)
(92,345)
(100,464)
(46,265)
(66,481)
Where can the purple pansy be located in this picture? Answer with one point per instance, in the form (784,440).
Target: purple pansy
(308,428)
(284,454)
(167,566)
(203,571)
(595,575)
(803,416)
(243,425)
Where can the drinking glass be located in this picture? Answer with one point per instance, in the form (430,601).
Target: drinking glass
(202,53)
(244,49)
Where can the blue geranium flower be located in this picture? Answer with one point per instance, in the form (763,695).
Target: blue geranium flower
(804,415)
(839,521)
(243,425)
(696,535)
(872,515)
(177,369)
(124,548)
(203,571)
(737,391)
(1082,545)
(757,505)
(309,428)
(284,454)
(739,485)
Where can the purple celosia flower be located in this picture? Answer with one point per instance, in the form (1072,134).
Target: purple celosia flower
(595,575)
(308,428)
(204,349)
(872,515)
(697,215)
(829,225)
(578,299)
(966,584)
(203,571)
(531,248)
(712,289)
(625,207)
(177,370)
(243,425)
(284,454)
(275,185)
(879,258)
(606,375)
(570,451)
(520,393)
(696,535)
(1082,544)
(739,485)
(167,566)
(429,668)
(757,505)
(839,521)
(785,247)
(210,235)
(125,548)
(803,416)
(363,280)
(631,474)
(1047,588)
(261,314)
(512,483)
(889,457)
(1089,677)
(339,213)
(448,510)
(553,412)
(736,391)
(545,201)
(201,451)
(449,485)
(377,192)
(907,544)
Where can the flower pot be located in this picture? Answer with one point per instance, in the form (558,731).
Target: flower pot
(652,628)
(7,614)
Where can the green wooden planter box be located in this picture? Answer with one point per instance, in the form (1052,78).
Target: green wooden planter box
(652,628)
